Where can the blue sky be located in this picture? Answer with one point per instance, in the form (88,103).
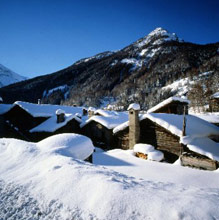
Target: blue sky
(43,36)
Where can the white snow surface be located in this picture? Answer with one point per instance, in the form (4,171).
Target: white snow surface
(49,92)
(60,111)
(51,125)
(47,110)
(134,106)
(216,95)
(166,102)
(40,182)
(8,77)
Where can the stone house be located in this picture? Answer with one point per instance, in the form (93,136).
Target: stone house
(99,127)
(164,132)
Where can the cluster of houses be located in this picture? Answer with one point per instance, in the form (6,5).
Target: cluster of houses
(167,126)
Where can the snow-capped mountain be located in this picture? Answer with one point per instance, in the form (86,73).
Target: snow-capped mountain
(136,73)
(8,77)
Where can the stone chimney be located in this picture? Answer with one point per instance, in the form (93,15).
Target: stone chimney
(91,111)
(60,114)
(134,126)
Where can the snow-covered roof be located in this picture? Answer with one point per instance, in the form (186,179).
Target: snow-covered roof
(204,146)
(134,106)
(47,110)
(5,108)
(106,113)
(166,102)
(51,125)
(212,117)
(110,121)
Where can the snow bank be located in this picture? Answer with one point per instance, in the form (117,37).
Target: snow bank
(209,117)
(134,106)
(63,188)
(71,145)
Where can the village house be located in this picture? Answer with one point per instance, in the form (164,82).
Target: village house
(99,126)
(164,132)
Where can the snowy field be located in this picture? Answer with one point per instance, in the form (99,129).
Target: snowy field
(45,181)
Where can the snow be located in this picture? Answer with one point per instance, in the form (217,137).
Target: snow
(143,148)
(40,182)
(204,146)
(60,111)
(216,95)
(46,110)
(155,155)
(163,35)
(134,106)
(210,117)
(49,92)
(92,109)
(1,100)
(5,108)
(70,145)
(166,102)
(110,121)
(8,77)
(136,63)
(51,125)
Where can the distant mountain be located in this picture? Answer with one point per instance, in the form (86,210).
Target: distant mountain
(8,77)
(136,73)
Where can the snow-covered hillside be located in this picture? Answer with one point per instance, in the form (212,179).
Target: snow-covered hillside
(8,77)
(39,182)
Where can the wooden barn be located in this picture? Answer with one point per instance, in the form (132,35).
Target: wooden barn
(100,128)
(172,105)
(56,124)
(164,132)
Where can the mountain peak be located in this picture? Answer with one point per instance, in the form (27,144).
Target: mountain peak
(157,37)
(7,76)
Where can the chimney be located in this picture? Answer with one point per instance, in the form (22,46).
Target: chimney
(134,126)
(91,111)
(60,114)
(39,102)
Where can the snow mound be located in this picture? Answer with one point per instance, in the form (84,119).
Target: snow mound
(155,155)
(70,145)
(143,148)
